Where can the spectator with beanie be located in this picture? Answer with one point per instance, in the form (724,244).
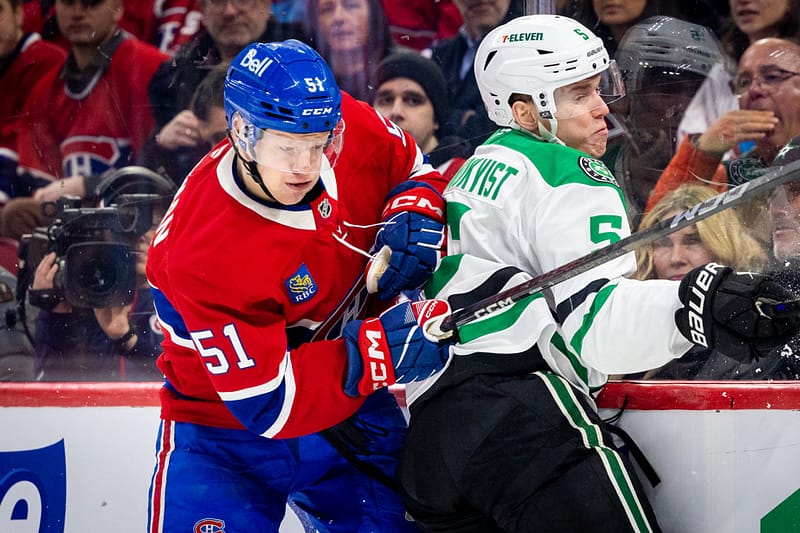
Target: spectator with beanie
(412,93)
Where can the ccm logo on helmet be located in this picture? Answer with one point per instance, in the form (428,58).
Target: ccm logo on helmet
(697,303)
(377,364)
(256,66)
(317,111)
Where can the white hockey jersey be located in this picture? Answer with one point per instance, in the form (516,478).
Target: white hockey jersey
(520,207)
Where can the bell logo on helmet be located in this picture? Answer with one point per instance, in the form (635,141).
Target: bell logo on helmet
(256,66)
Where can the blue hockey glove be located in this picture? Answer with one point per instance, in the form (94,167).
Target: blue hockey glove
(411,242)
(399,346)
(719,311)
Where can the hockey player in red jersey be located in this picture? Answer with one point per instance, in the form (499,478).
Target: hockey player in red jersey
(255,269)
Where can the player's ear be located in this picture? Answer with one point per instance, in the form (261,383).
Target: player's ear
(525,114)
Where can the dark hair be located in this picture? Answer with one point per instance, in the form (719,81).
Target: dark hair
(210,93)
(735,41)
(379,45)
(583,12)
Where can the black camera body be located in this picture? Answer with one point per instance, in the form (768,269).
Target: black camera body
(94,250)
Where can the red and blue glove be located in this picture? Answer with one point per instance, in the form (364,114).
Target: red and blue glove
(399,346)
(411,242)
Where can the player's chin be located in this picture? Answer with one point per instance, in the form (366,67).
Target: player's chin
(596,149)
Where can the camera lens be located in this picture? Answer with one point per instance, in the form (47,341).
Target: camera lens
(99,274)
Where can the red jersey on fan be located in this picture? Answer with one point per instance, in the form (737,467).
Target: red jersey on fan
(70,132)
(18,74)
(418,24)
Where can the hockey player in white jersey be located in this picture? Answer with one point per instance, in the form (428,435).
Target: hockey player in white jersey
(507,438)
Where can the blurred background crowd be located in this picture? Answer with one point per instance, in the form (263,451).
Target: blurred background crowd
(108,104)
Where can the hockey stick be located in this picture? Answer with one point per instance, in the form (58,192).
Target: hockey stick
(712,206)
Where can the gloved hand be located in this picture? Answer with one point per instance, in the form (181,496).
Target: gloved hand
(410,244)
(719,311)
(399,346)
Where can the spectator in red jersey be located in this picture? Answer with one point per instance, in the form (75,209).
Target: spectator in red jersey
(418,24)
(167,24)
(177,22)
(86,117)
(412,93)
(24,58)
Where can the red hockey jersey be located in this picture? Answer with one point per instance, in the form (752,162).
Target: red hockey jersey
(104,126)
(241,286)
(32,59)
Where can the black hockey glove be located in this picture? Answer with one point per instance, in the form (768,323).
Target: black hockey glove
(719,311)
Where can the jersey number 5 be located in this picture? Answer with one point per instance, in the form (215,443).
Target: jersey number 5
(220,364)
(604,228)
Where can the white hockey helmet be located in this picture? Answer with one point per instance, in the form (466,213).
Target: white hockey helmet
(668,45)
(535,55)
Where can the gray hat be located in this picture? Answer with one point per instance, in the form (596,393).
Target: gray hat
(422,70)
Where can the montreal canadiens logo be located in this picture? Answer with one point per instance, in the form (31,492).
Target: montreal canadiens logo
(596,170)
(209,525)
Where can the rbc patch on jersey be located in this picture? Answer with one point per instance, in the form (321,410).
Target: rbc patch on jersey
(596,169)
(301,285)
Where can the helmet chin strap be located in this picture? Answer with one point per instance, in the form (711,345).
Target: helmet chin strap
(549,135)
(252,169)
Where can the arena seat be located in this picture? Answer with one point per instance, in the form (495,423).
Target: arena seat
(8,254)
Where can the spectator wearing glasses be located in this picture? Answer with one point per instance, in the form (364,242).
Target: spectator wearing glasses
(749,22)
(767,85)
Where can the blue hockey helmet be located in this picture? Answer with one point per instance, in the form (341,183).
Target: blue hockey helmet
(284,86)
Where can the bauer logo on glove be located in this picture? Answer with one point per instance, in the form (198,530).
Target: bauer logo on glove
(720,311)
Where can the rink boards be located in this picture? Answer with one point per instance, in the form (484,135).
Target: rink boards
(78,457)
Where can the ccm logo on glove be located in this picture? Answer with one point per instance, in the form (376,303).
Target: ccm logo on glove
(417,203)
(376,358)
(394,348)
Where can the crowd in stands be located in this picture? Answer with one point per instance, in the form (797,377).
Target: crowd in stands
(90,87)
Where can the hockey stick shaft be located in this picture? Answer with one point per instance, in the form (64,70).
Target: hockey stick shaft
(732,197)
